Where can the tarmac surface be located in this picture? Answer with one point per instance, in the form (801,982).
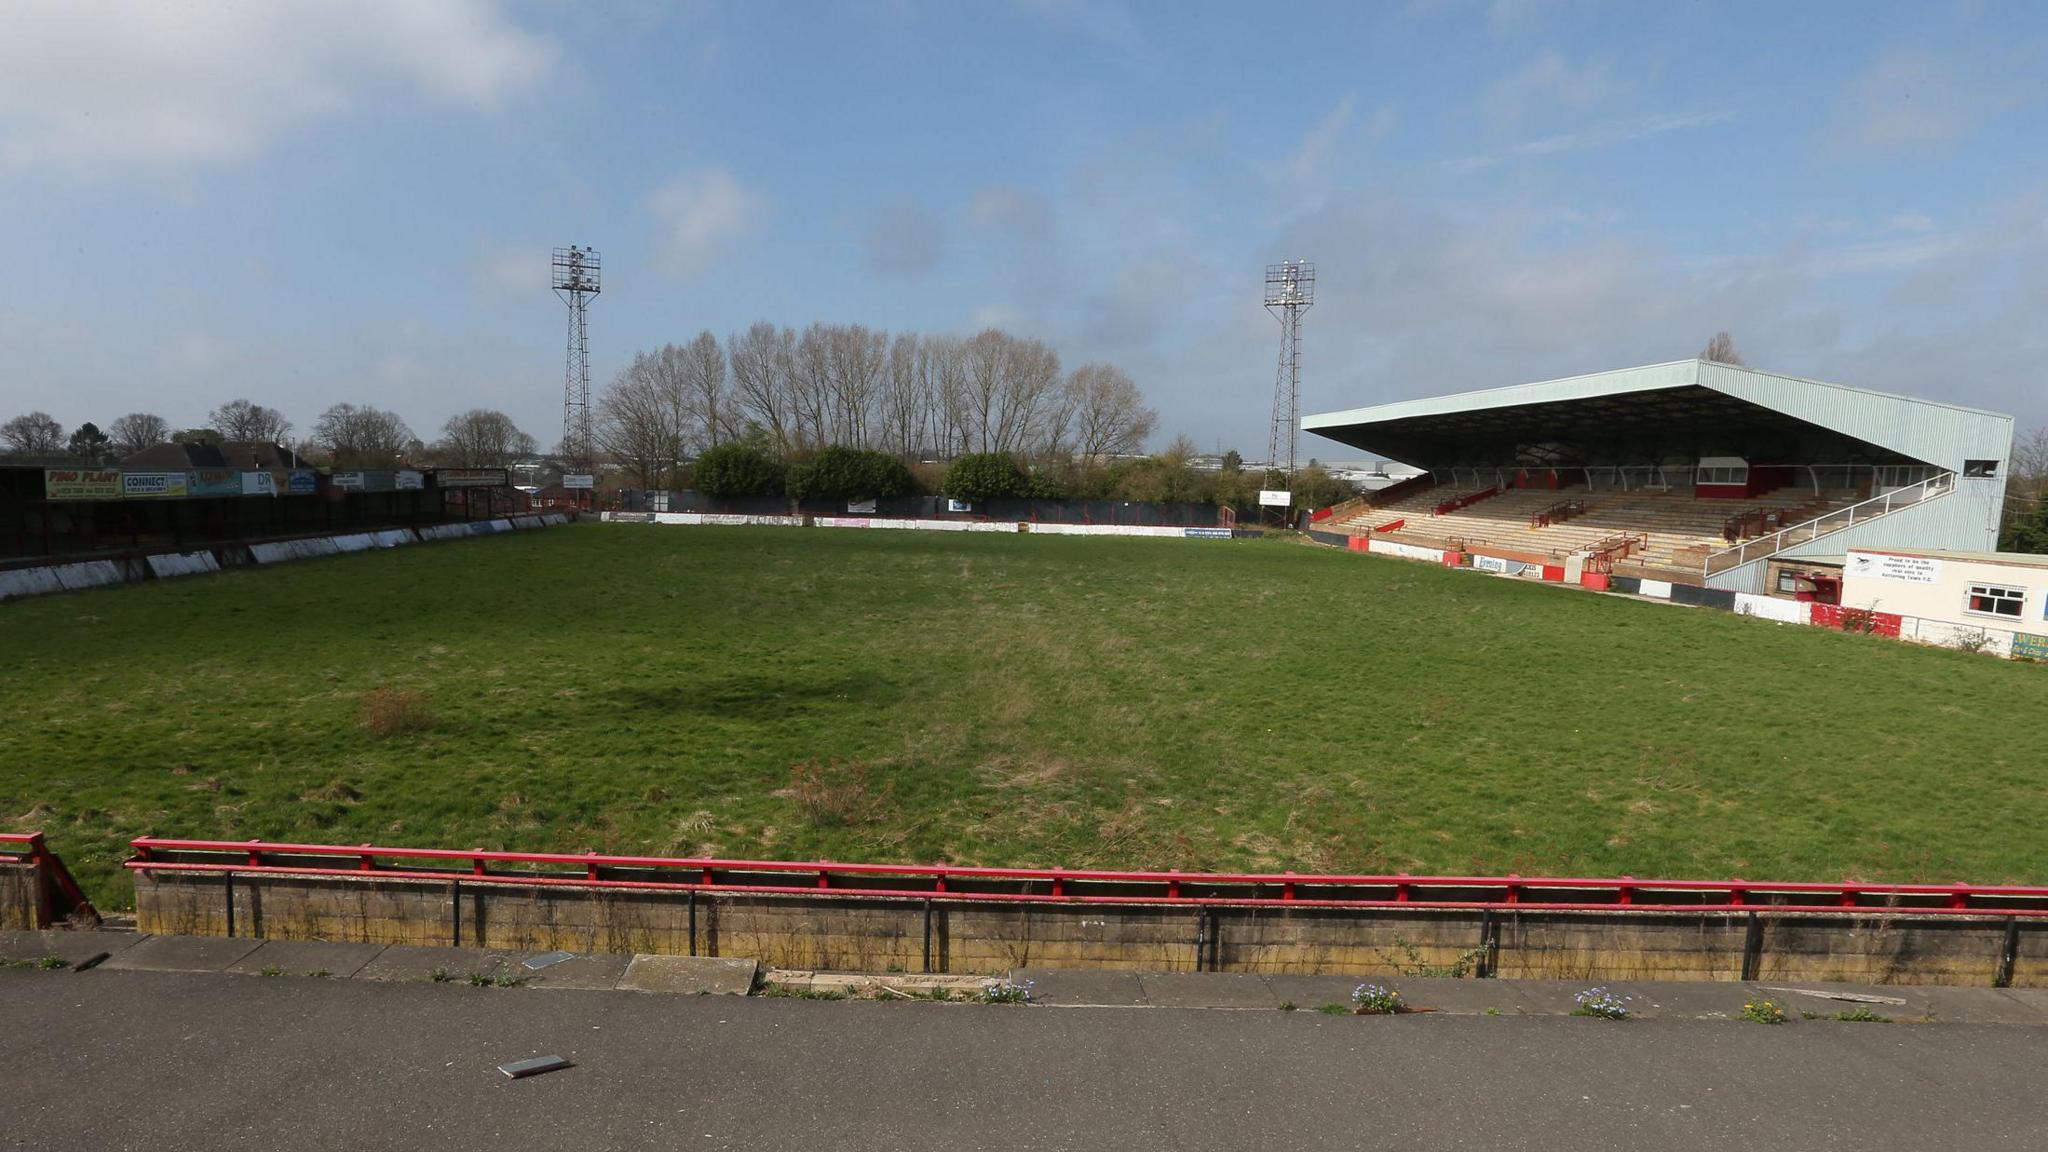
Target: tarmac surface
(144,1059)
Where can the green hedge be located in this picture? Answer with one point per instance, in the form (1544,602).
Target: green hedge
(987,476)
(849,474)
(731,470)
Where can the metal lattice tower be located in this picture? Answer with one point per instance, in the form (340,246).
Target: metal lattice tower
(1290,291)
(577,278)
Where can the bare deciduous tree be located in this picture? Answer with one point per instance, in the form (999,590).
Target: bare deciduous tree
(1721,350)
(362,437)
(1110,417)
(138,430)
(483,438)
(33,434)
(762,364)
(710,401)
(243,420)
(642,419)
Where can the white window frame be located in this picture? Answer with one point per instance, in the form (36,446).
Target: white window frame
(1996,592)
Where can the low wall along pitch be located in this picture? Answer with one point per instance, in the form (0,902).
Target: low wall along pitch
(984,921)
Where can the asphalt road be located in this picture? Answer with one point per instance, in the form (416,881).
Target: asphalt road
(146,1060)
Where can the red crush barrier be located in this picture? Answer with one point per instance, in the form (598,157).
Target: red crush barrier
(1857,620)
(1057,885)
(31,846)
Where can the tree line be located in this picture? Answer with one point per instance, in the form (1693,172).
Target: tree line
(917,397)
(357,436)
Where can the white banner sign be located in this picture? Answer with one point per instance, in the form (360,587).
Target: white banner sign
(134,484)
(580,481)
(1271,499)
(1884,566)
(258,484)
(408,480)
(860,507)
(348,480)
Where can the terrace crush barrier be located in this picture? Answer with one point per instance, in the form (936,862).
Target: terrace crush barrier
(934,918)
(36,889)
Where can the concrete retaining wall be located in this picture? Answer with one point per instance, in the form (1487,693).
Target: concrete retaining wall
(26,899)
(918,933)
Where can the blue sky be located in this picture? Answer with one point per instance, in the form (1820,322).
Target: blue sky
(311,202)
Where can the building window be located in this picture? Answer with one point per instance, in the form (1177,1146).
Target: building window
(1980,469)
(1722,476)
(1996,600)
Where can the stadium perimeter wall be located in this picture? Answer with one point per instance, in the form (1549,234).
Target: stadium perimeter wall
(2001,642)
(16,583)
(934,934)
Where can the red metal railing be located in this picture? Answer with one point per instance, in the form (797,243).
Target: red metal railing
(1080,886)
(32,846)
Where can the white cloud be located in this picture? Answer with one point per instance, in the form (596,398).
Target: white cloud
(1591,139)
(698,216)
(904,239)
(1306,168)
(1906,102)
(1549,83)
(95,84)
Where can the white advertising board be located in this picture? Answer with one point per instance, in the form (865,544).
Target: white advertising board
(1271,499)
(579,481)
(1885,566)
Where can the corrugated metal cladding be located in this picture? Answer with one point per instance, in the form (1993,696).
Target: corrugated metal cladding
(1677,374)
(1940,434)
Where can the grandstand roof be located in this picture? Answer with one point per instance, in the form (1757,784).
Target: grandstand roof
(1667,412)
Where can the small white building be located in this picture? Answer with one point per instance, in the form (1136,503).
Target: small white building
(1993,601)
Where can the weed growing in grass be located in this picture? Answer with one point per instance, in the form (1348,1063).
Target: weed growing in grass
(831,794)
(439,976)
(495,980)
(270,970)
(44,963)
(1335,1009)
(1763,1012)
(1377,1000)
(1493,1011)
(391,712)
(1287,1005)
(1862,1016)
(1601,1003)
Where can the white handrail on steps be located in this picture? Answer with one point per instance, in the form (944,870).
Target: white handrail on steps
(1829,522)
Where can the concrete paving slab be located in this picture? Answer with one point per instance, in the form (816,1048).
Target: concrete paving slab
(1981,1006)
(1207,990)
(70,947)
(587,971)
(306,958)
(402,962)
(181,954)
(689,975)
(1073,987)
(1460,997)
(1311,992)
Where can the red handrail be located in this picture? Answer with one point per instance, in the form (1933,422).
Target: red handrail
(1062,885)
(32,846)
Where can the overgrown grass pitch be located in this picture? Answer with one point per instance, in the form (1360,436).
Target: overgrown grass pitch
(1004,700)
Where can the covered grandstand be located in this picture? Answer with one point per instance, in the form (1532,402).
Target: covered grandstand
(1693,471)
